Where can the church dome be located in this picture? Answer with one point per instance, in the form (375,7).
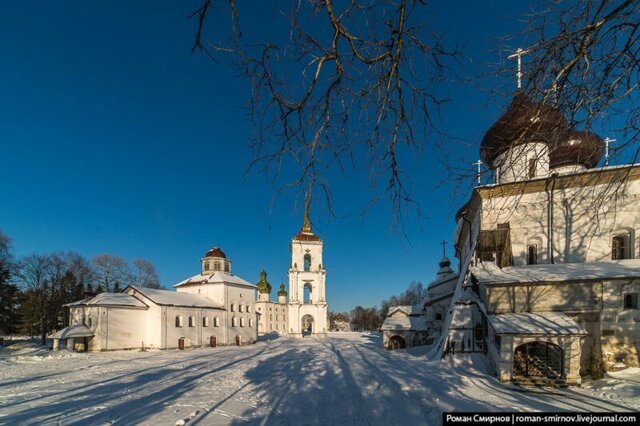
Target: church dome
(263,285)
(525,121)
(215,252)
(306,236)
(282,291)
(577,148)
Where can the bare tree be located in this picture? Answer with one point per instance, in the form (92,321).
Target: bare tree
(110,270)
(37,275)
(352,85)
(9,292)
(145,274)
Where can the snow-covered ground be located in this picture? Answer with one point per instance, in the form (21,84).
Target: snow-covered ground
(344,379)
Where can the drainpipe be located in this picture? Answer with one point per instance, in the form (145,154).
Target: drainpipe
(549,192)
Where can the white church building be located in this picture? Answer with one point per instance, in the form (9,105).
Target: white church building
(211,308)
(305,311)
(549,255)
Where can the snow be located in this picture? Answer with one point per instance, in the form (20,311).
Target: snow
(489,273)
(76,330)
(216,277)
(112,299)
(405,318)
(173,298)
(344,379)
(548,323)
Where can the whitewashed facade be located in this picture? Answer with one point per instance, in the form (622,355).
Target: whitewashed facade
(212,308)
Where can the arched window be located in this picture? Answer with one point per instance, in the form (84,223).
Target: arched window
(250,322)
(234,322)
(307,262)
(618,247)
(532,254)
(306,297)
(239,308)
(241,322)
(205,321)
(216,322)
(178,321)
(248,308)
(192,321)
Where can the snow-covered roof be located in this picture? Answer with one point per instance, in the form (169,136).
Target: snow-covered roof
(548,323)
(404,322)
(407,309)
(174,298)
(76,330)
(489,273)
(405,318)
(216,277)
(111,299)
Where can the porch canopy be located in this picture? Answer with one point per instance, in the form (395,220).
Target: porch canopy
(73,331)
(544,323)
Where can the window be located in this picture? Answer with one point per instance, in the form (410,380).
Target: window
(306,294)
(216,265)
(532,168)
(307,262)
(248,308)
(233,307)
(270,317)
(234,322)
(205,322)
(89,321)
(631,301)
(532,254)
(239,308)
(250,322)
(178,321)
(241,322)
(276,317)
(192,321)
(618,247)
(438,317)
(284,318)
(206,266)
(226,266)
(216,322)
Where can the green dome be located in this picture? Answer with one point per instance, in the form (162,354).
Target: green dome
(282,291)
(263,284)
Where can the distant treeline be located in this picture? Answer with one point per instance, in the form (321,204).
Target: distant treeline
(34,288)
(370,319)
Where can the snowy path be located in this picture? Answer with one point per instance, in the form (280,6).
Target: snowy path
(345,379)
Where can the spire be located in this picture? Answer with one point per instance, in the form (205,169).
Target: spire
(306,225)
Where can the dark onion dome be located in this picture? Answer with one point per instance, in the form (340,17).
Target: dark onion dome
(577,148)
(282,291)
(524,121)
(215,252)
(263,285)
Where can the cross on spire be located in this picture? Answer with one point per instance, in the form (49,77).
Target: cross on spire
(519,54)
(444,243)
(607,141)
(479,163)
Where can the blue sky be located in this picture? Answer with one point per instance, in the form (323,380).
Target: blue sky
(115,139)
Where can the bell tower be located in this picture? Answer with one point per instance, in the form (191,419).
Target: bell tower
(307,300)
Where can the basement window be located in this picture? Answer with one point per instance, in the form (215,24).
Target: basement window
(631,301)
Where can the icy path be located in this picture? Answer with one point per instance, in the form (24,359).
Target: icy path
(345,379)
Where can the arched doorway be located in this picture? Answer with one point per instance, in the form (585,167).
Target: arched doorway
(539,359)
(307,325)
(396,342)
